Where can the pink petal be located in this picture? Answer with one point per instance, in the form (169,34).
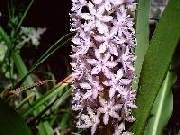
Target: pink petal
(106,18)
(96,70)
(111,92)
(101,110)
(97,54)
(121,41)
(107,6)
(106,57)
(82,2)
(95,93)
(93,129)
(102,48)
(87,95)
(100,10)
(113,50)
(102,28)
(102,101)
(106,118)
(97,1)
(99,38)
(86,16)
(92,61)
(119,74)
(125,81)
(114,114)
(106,83)
(85,85)
(106,72)
(111,64)
(117,107)
(76,41)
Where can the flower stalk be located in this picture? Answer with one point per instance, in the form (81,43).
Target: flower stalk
(103,65)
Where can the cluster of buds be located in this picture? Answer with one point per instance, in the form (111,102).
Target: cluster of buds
(103,64)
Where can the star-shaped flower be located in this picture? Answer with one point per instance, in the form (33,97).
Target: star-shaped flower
(128,96)
(106,43)
(126,59)
(90,120)
(102,64)
(93,87)
(77,6)
(119,129)
(95,120)
(95,19)
(102,61)
(82,45)
(116,83)
(109,108)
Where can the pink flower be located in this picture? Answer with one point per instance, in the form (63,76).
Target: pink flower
(93,87)
(90,120)
(103,63)
(109,109)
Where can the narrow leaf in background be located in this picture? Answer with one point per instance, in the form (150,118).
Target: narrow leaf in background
(45,128)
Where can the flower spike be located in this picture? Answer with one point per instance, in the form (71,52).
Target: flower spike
(103,64)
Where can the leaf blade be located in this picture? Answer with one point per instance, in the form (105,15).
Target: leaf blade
(162,108)
(156,63)
(142,37)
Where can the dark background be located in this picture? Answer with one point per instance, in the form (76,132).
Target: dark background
(54,16)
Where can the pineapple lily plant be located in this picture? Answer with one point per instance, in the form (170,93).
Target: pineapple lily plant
(124,61)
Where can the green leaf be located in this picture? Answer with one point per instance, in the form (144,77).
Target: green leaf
(58,44)
(23,16)
(22,69)
(65,122)
(4,37)
(11,123)
(45,128)
(162,107)
(61,100)
(20,65)
(156,63)
(179,132)
(142,37)
(58,90)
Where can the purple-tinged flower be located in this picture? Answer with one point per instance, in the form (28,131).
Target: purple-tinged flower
(109,108)
(93,87)
(103,64)
(89,121)
(116,83)
(119,129)
(107,43)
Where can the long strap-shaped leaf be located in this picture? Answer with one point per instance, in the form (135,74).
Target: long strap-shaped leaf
(156,63)
(162,108)
(142,37)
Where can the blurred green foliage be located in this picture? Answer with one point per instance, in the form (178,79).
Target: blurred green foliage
(41,111)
